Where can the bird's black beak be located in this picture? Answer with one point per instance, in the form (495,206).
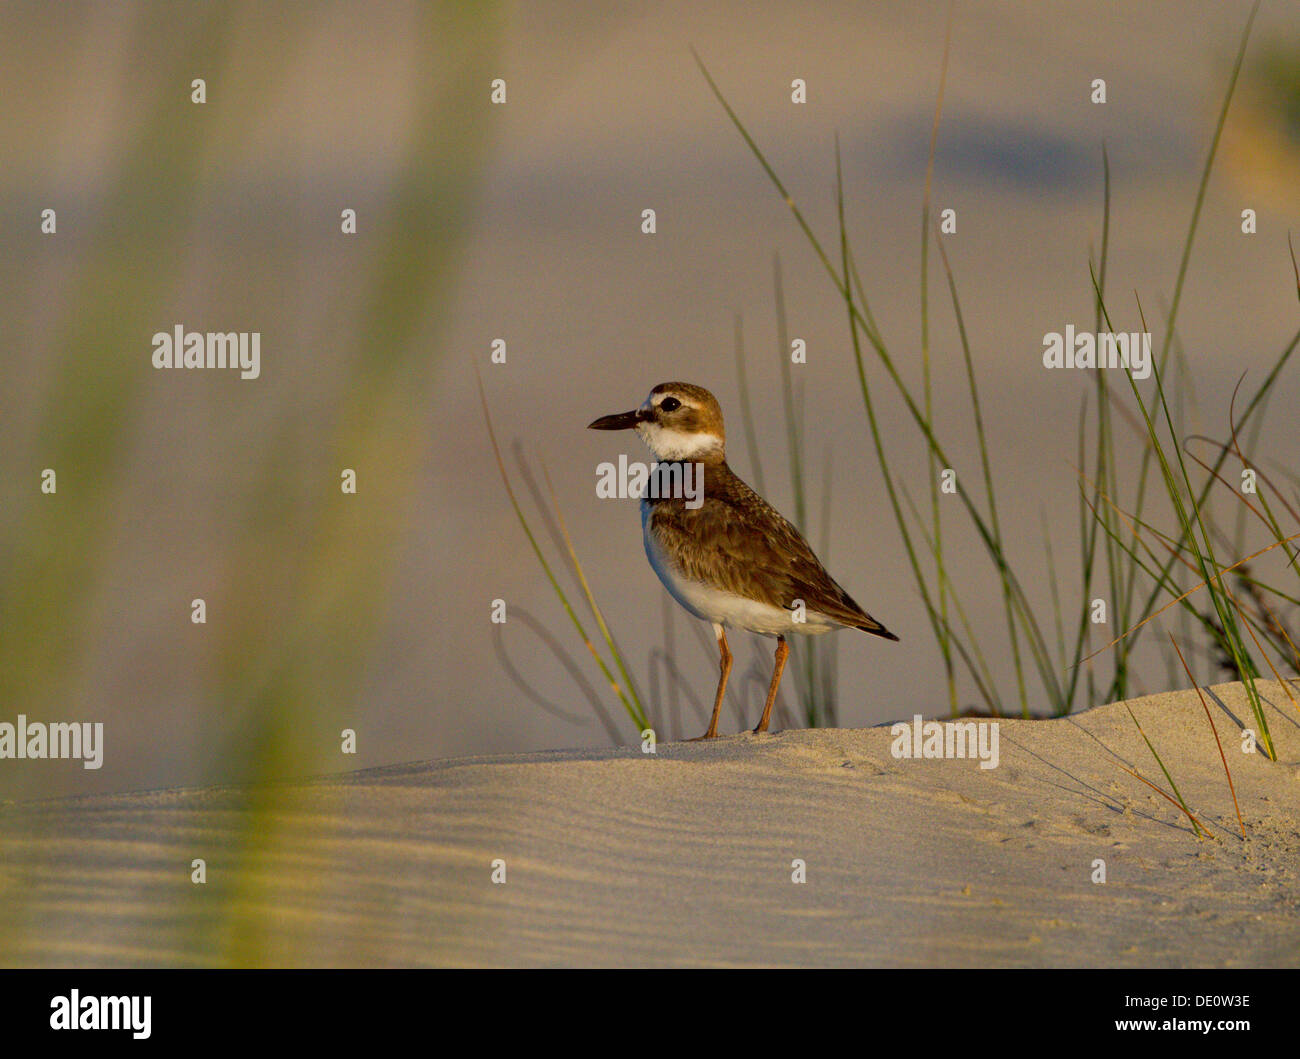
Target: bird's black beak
(621,421)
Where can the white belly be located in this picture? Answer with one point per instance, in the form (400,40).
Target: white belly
(726,608)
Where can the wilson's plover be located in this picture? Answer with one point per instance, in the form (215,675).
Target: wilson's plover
(732,560)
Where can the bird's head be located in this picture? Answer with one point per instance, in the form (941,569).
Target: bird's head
(678,421)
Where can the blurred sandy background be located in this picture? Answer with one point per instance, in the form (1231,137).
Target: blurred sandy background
(522,222)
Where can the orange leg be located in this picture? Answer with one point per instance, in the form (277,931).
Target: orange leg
(782,651)
(724,663)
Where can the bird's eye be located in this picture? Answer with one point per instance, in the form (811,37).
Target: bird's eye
(670,404)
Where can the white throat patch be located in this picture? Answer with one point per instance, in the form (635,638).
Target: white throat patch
(669,444)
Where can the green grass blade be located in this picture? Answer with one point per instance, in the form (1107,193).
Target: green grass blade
(632,707)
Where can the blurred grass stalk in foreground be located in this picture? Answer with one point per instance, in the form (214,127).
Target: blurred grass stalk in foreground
(309,567)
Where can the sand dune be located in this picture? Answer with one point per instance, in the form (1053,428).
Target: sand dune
(685,857)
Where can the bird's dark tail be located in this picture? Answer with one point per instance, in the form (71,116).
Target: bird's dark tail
(875,628)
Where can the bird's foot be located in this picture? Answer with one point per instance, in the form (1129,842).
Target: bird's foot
(712,733)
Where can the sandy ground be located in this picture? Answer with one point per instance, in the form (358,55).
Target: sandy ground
(685,857)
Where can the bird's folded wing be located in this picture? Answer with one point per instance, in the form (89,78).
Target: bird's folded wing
(740,543)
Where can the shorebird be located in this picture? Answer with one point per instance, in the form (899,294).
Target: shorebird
(731,559)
